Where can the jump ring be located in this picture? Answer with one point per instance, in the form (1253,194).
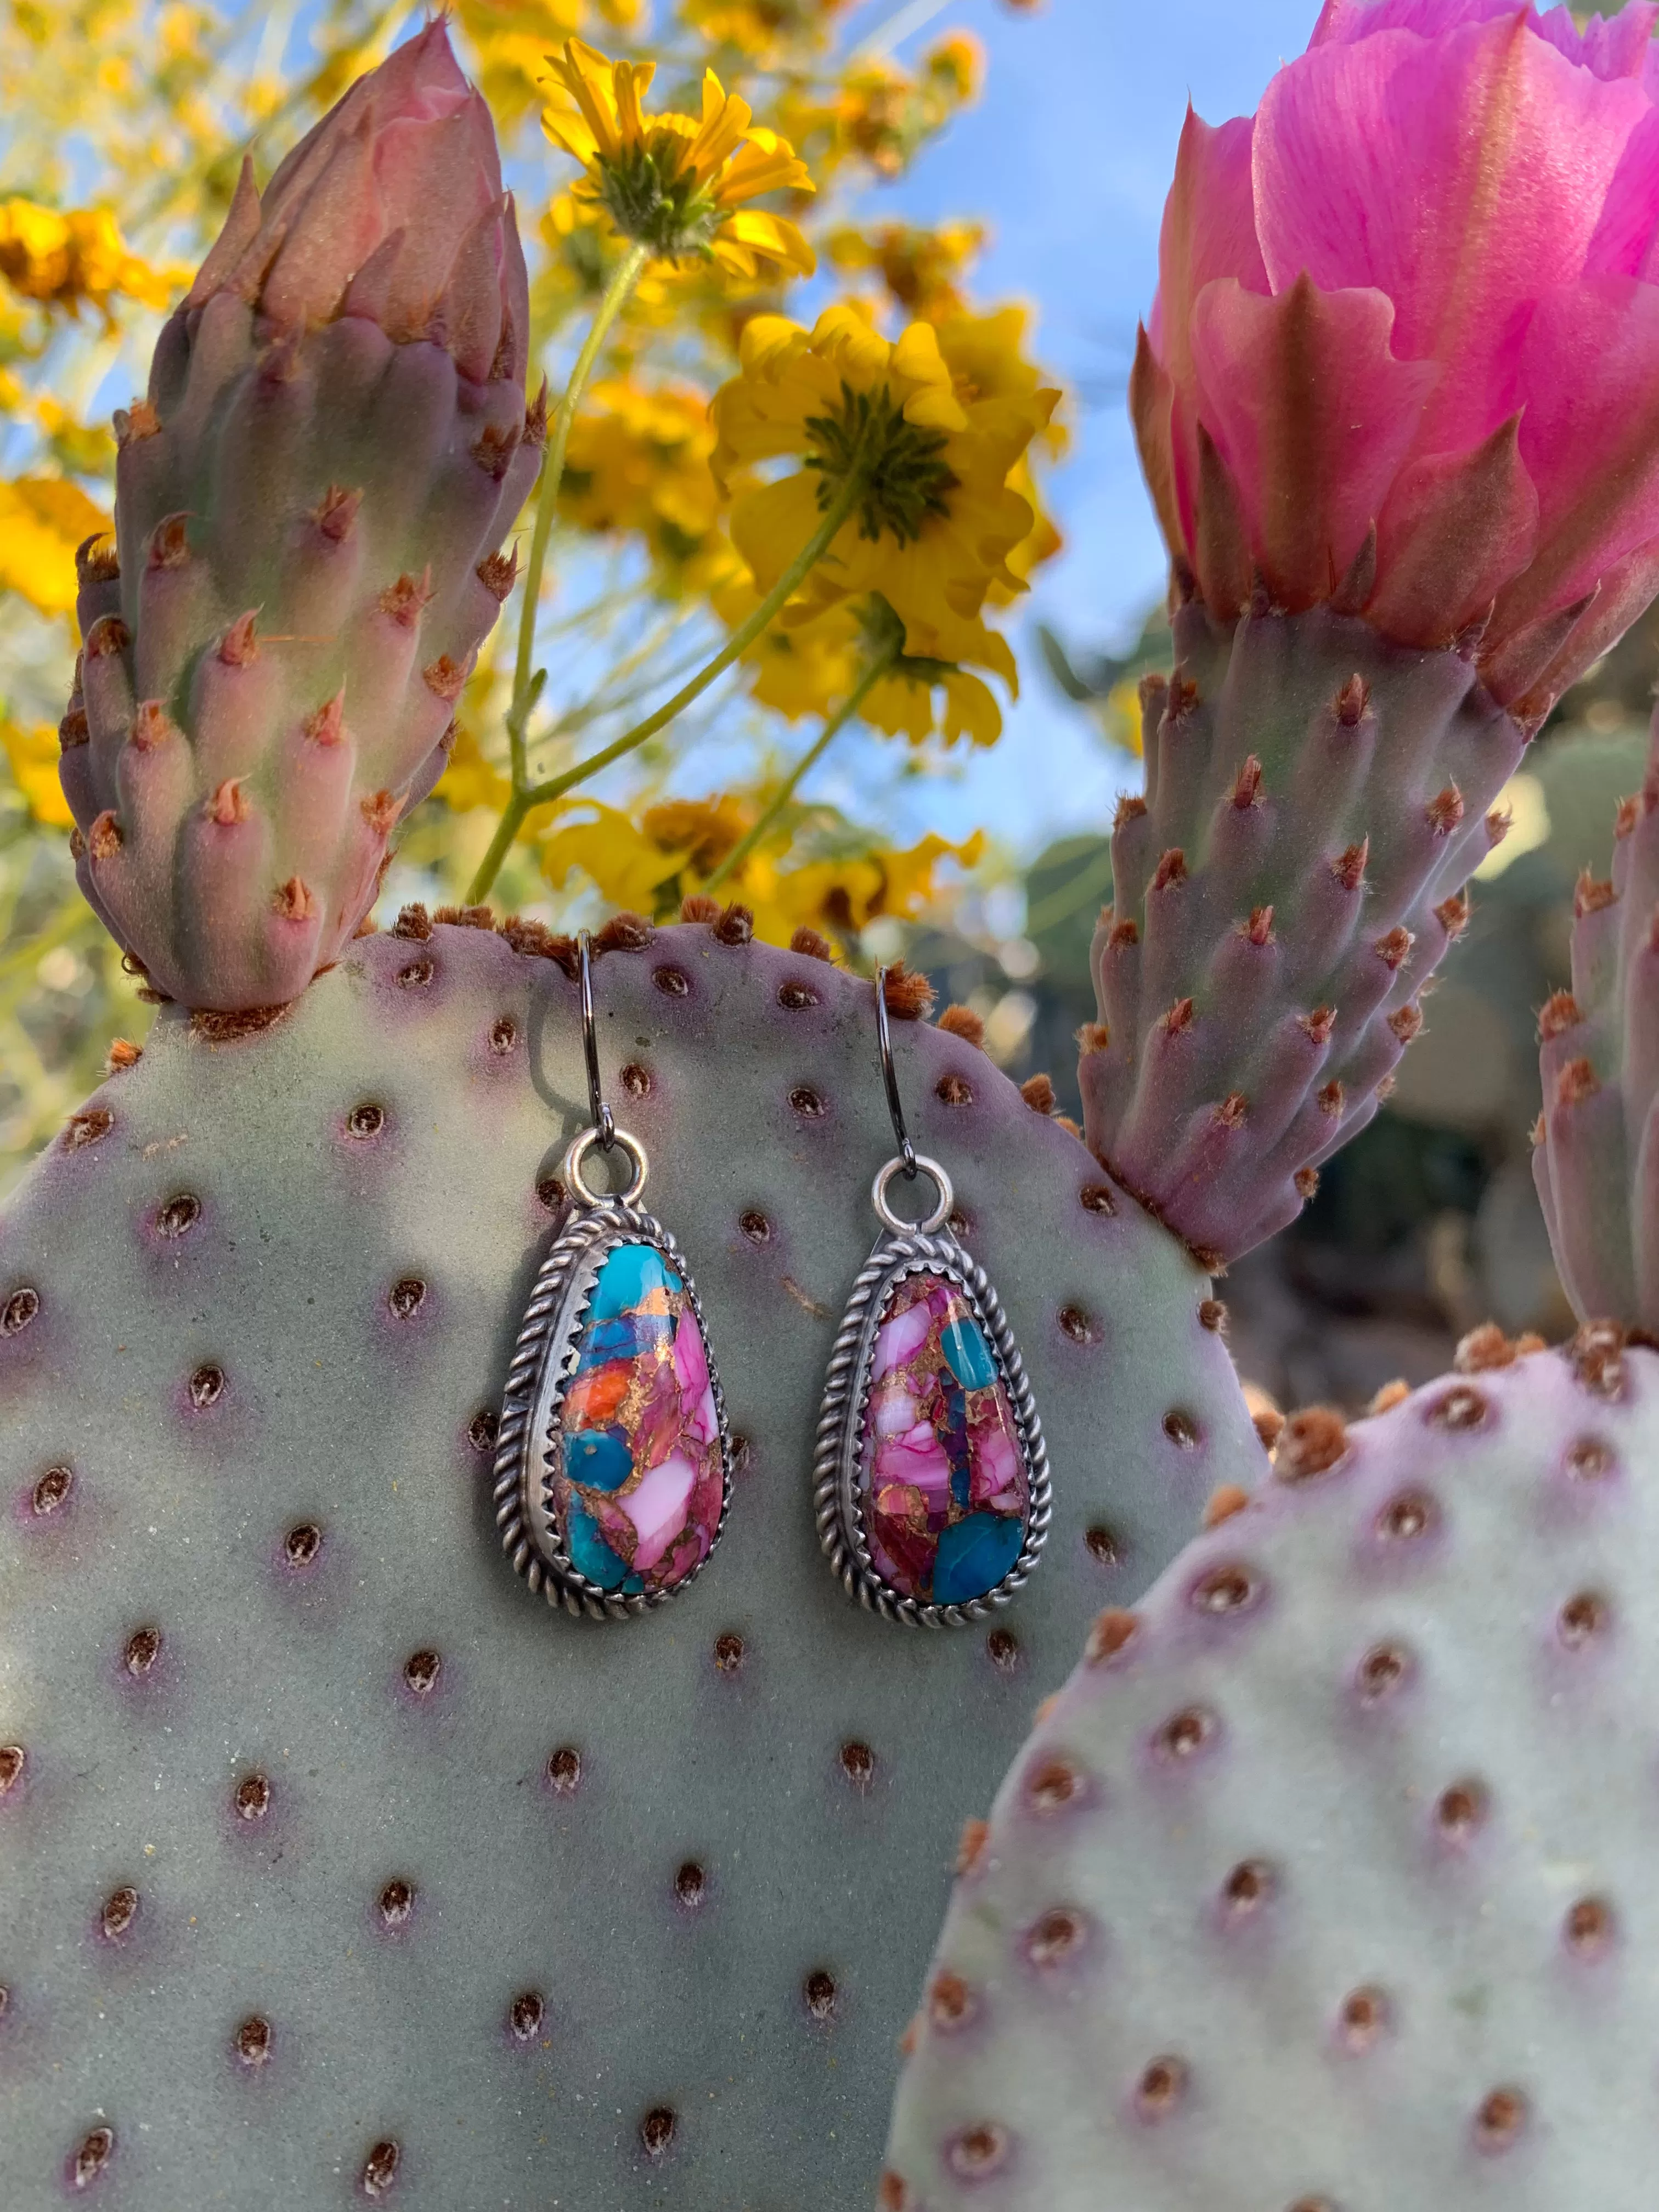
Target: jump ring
(592,1140)
(940,1180)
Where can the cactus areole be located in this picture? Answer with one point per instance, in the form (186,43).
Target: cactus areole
(309,506)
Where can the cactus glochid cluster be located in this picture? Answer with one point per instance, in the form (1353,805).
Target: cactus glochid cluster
(310,505)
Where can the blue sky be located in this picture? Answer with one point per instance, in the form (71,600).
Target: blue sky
(1069,156)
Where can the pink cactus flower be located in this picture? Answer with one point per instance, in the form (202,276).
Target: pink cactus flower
(1405,353)
(391,207)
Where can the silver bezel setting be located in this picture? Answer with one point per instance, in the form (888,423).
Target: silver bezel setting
(543,1362)
(836,1468)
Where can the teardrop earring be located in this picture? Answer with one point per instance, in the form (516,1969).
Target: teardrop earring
(613,1463)
(932,1478)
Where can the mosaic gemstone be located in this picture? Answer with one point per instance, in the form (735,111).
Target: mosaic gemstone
(943,1490)
(638,1479)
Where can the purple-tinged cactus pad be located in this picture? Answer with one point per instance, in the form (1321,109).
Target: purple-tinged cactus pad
(1326,1880)
(1316,798)
(333,1859)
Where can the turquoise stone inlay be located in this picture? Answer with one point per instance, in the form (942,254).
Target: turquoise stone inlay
(967,1354)
(974,1555)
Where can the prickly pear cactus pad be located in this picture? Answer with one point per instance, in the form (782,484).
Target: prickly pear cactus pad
(1328,1878)
(1316,798)
(333,1863)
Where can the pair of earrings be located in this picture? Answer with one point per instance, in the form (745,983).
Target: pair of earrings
(613,1467)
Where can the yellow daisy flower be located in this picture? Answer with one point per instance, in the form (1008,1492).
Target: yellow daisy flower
(66,260)
(809,667)
(919,268)
(884,115)
(678,183)
(988,364)
(762,30)
(935,519)
(638,462)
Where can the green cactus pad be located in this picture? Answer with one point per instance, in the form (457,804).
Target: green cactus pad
(332,1861)
(1328,1878)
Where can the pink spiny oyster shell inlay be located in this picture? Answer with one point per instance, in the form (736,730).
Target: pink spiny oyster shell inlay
(944,1489)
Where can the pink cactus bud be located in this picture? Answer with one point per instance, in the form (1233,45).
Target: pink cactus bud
(391,207)
(1436,407)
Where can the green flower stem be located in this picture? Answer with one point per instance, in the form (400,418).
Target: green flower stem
(809,759)
(543,794)
(618,294)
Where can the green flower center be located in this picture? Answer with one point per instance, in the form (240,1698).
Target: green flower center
(898,466)
(648,199)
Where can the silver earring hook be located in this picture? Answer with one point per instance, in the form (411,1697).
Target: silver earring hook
(598,1113)
(910,1162)
(890,1077)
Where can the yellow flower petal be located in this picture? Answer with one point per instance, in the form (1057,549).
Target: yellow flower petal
(771,236)
(32,754)
(970,710)
(42,520)
(726,119)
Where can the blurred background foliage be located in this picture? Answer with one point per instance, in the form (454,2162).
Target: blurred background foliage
(124,122)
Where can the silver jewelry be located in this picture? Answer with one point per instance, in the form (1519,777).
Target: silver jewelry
(613,1461)
(932,1477)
